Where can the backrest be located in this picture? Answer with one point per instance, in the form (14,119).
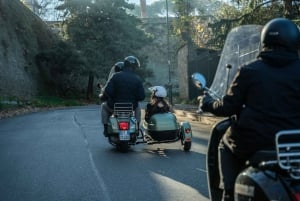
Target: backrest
(123,109)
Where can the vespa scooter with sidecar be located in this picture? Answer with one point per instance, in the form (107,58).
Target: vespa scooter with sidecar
(124,132)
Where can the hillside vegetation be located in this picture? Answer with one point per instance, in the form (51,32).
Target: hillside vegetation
(23,35)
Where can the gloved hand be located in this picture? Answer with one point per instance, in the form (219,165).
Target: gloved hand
(103,96)
(206,102)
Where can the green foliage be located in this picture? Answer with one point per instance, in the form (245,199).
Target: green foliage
(184,18)
(103,32)
(61,67)
(8,103)
(241,12)
(17,104)
(156,9)
(144,73)
(52,101)
(207,23)
(193,17)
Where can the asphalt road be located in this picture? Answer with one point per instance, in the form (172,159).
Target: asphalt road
(61,155)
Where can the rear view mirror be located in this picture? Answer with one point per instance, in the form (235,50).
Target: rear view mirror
(199,81)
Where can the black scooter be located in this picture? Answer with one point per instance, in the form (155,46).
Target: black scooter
(267,176)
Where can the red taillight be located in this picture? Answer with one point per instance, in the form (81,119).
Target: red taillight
(123,125)
(296,196)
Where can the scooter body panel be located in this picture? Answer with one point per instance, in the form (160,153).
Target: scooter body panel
(122,139)
(162,127)
(260,185)
(113,124)
(162,122)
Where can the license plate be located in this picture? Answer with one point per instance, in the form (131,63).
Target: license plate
(124,135)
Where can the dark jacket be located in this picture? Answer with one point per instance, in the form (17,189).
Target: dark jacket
(158,106)
(124,86)
(265,96)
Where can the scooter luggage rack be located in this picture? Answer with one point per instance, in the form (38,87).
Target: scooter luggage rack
(123,109)
(288,151)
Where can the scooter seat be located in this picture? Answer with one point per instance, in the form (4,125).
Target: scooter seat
(262,156)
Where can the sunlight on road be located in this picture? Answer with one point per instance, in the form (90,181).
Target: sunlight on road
(172,189)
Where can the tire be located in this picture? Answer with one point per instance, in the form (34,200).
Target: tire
(123,147)
(187,146)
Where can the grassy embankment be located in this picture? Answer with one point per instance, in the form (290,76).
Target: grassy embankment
(14,106)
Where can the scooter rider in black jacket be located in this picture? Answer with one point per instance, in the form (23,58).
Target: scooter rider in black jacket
(124,86)
(264,96)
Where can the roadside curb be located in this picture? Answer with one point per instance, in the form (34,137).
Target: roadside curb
(205,118)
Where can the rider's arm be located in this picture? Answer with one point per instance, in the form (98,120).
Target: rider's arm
(148,112)
(141,92)
(108,89)
(232,103)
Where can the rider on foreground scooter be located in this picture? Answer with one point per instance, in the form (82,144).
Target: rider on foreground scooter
(124,86)
(264,96)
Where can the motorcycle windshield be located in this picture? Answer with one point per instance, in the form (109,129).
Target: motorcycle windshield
(241,46)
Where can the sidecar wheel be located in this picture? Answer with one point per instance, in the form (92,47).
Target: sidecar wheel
(187,146)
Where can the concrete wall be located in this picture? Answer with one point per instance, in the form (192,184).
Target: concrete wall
(16,77)
(22,36)
(157,53)
(191,60)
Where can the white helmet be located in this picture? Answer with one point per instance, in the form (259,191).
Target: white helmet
(158,91)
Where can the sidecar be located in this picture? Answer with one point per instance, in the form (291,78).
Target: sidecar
(164,128)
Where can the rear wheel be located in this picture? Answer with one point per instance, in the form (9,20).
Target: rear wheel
(187,146)
(123,147)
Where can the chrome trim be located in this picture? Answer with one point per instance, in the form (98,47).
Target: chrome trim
(288,151)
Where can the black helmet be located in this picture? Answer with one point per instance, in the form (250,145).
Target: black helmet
(119,66)
(280,32)
(131,62)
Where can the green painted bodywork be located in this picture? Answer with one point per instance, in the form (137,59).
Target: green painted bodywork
(113,127)
(162,122)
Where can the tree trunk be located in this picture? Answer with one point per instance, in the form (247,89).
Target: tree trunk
(143,8)
(288,8)
(89,93)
